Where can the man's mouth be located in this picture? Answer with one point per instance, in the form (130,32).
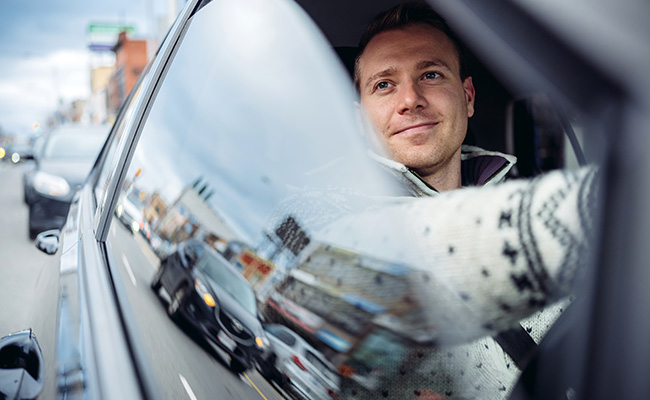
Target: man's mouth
(416,128)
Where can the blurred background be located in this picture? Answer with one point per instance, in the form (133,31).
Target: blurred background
(73,61)
(64,65)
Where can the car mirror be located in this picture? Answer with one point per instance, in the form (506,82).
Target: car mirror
(49,241)
(21,366)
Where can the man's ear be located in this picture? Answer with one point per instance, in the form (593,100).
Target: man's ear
(470,95)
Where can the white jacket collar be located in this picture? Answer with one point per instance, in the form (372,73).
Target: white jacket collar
(419,188)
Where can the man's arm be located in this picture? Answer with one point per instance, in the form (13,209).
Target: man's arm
(483,259)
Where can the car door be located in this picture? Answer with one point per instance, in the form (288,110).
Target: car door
(244,130)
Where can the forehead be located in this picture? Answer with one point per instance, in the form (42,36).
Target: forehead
(395,48)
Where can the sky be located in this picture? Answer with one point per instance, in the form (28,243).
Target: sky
(44,53)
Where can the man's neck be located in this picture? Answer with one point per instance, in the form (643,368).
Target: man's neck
(442,179)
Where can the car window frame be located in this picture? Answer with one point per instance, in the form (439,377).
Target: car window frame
(150,85)
(102,213)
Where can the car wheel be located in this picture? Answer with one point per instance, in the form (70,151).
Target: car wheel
(155,283)
(237,366)
(174,306)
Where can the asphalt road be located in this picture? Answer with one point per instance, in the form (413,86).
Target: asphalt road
(22,264)
(180,364)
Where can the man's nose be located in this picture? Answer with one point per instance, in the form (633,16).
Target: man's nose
(411,98)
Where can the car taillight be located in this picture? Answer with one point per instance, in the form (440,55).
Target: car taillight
(298,362)
(332,394)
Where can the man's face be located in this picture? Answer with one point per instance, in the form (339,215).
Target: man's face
(410,88)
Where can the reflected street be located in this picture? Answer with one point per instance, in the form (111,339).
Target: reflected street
(188,366)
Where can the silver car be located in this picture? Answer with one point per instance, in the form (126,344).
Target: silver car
(308,374)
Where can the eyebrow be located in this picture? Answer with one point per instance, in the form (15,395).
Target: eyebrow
(433,63)
(381,74)
(420,65)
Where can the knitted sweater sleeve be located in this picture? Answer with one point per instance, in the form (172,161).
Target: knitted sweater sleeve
(482,259)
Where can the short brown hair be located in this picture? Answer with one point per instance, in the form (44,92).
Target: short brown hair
(400,17)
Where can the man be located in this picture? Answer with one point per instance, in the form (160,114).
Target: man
(415,89)
(416,92)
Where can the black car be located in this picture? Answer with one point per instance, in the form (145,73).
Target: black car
(210,293)
(62,164)
(245,122)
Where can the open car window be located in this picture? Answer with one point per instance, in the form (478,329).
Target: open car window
(253,144)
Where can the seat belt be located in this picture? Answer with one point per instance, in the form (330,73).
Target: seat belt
(518,344)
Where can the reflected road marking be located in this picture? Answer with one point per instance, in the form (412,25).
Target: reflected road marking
(128,269)
(187,387)
(251,382)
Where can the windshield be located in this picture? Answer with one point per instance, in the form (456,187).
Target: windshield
(79,145)
(221,275)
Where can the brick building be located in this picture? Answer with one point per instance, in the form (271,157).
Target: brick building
(130,61)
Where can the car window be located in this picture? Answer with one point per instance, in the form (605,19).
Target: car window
(225,158)
(81,146)
(282,334)
(242,149)
(321,366)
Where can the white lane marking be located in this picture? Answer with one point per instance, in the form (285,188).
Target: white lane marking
(187,387)
(128,269)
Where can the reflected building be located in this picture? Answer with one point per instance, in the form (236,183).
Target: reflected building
(190,216)
(362,312)
(155,210)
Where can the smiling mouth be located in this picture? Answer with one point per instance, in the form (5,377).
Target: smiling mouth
(414,129)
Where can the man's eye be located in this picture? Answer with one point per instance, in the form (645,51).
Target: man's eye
(431,75)
(383,85)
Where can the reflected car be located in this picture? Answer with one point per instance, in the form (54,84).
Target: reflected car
(210,293)
(247,105)
(298,367)
(61,167)
(19,152)
(129,214)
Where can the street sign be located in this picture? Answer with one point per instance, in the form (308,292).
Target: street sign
(103,37)
(109,29)
(292,235)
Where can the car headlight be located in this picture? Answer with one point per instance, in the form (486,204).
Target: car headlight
(262,341)
(202,290)
(50,185)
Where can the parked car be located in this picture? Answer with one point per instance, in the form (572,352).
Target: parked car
(245,123)
(210,293)
(61,167)
(298,367)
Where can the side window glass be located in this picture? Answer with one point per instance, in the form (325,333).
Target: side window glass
(300,220)
(226,162)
